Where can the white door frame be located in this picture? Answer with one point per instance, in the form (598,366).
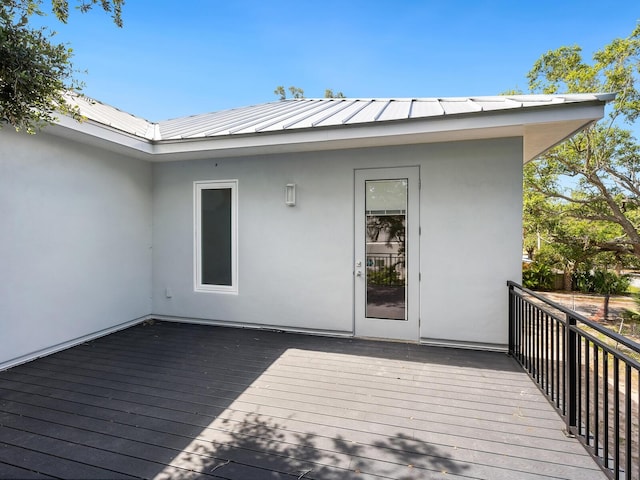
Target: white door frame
(409,328)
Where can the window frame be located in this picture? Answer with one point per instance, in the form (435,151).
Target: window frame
(198,187)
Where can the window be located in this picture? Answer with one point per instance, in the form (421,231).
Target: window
(216,236)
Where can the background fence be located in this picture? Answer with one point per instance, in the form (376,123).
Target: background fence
(385,269)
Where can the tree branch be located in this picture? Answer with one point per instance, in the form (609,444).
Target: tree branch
(592,217)
(623,181)
(565,197)
(616,210)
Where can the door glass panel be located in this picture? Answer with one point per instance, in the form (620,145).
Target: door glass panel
(386,215)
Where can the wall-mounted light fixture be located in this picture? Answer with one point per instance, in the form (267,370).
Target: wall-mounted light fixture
(290,194)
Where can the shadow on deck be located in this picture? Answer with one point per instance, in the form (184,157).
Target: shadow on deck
(190,401)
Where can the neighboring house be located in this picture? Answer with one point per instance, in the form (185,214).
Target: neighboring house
(115,220)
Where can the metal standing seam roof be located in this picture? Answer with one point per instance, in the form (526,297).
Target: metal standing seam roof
(296,114)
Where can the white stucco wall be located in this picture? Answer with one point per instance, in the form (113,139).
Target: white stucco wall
(76,237)
(471,220)
(296,264)
(75,242)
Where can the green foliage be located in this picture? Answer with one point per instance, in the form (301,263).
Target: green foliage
(583,197)
(282,93)
(630,315)
(633,315)
(384,276)
(537,276)
(60,8)
(601,281)
(328,93)
(35,72)
(296,92)
(583,281)
(391,228)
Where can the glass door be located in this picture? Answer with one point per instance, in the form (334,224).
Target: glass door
(386,253)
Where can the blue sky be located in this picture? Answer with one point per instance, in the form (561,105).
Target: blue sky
(180,58)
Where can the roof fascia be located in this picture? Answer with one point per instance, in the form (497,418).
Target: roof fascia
(541,127)
(101,135)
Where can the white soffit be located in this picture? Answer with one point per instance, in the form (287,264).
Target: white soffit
(322,124)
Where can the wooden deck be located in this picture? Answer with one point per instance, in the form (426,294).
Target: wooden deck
(189,401)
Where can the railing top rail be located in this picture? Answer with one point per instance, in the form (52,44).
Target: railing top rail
(590,323)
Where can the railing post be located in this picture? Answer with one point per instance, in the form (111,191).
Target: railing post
(511,320)
(571,377)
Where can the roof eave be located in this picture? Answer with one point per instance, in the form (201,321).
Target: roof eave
(103,136)
(541,127)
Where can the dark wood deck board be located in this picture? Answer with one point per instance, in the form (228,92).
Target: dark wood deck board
(26,451)
(9,471)
(436,388)
(241,381)
(142,458)
(350,418)
(165,399)
(195,403)
(55,411)
(265,392)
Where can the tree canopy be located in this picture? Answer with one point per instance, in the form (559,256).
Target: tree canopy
(582,198)
(35,71)
(299,93)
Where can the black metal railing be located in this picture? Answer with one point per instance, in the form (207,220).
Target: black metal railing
(589,373)
(385,269)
